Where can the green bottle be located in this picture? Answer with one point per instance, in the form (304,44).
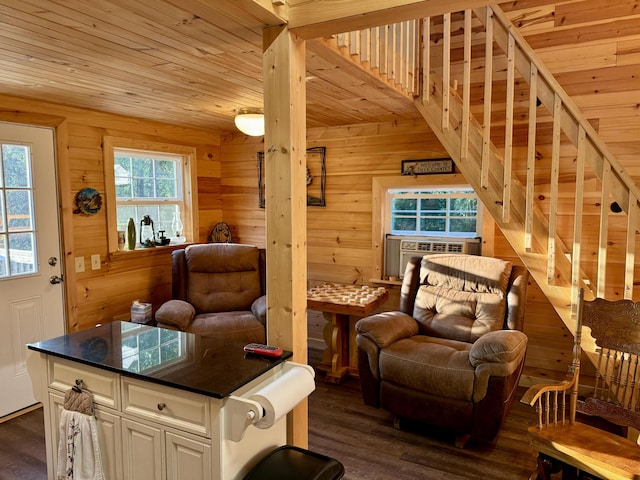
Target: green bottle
(131,235)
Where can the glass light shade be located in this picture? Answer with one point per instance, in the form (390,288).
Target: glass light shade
(250,121)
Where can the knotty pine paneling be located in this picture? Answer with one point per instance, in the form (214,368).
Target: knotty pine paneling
(339,235)
(99,296)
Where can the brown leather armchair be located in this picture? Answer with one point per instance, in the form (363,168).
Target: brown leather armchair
(452,356)
(218,290)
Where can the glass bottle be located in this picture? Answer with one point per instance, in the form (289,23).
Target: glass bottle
(131,235)
(177,227)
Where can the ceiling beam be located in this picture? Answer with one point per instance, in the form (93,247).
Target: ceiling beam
(267,12)
(317,18)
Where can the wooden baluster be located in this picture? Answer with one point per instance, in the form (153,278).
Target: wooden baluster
(488,78)
(426,59)
(446,69)
(531,158)
(635,396)
(539,411)
(354,43)
(607,376)
(553,190)
(412,68)
(597,387)
(391,52)
(383,48)
(623,379)
(629,264)
(397,53)
(547,408)
(577,218)
(363,40)
(508,133)
(604,229)
(466,87)
(374,47)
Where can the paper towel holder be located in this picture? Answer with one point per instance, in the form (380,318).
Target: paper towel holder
(241,412)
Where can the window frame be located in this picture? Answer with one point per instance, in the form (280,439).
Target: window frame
(432,192)
(379,188)
(189,184)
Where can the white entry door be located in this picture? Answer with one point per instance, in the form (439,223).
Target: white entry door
(31,295)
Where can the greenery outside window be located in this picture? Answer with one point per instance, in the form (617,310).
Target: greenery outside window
(148,178)
(438,212)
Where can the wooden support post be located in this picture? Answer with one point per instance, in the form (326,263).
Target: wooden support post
(286,204)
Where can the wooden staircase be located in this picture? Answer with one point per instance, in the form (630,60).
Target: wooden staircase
(439,63)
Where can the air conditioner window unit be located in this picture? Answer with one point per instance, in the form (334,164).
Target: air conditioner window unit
(399,249)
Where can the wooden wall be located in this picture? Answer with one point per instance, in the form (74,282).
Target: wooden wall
(339,235)
(97,296)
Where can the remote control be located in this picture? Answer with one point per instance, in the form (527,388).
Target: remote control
(260,349)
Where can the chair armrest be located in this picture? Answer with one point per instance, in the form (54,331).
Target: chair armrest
(534,392)
(501,346)
(259,309)
(177,313)
(496,354)
(385,328)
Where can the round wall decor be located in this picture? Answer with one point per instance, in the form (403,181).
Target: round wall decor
(88,201)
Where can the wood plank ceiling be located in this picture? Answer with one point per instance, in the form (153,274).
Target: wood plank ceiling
(181,62)
(192,62)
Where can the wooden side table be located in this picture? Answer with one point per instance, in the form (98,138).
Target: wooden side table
(337,303)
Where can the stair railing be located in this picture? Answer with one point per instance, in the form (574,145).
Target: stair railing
(486,84)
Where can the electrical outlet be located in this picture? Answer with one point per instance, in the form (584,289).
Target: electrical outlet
(95,262)
(79,264)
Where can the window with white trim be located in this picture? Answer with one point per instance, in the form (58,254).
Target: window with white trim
(450,212)
(148,181)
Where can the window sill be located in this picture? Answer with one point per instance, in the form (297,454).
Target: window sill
(140,252)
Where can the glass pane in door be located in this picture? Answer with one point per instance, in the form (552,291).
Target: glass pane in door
(17,226)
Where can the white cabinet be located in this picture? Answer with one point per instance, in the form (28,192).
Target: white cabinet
(146,431)
(143,452)
(187,458)
(149,431)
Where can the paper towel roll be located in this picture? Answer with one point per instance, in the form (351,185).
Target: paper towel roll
(280,396)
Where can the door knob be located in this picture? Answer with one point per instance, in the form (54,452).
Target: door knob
(53,261)
(55,279)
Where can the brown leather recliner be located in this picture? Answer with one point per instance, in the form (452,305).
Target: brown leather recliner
(452,356)
(218,290)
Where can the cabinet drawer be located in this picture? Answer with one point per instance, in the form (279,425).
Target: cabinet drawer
(103,384)
(169,406)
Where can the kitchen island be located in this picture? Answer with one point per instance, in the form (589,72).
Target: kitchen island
(168,404)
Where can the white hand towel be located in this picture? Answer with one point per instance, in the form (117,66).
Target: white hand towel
(78,449)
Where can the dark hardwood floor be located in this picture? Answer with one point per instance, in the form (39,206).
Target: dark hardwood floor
(22,454)
(341,426)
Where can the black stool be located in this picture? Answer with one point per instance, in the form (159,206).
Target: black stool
(293,463)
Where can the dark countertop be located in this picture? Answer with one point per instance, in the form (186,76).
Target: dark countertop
(197,363)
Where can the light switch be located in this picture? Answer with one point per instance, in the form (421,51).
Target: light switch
(95,262)
(79,264)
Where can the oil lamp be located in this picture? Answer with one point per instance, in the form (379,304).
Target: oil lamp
(147,232)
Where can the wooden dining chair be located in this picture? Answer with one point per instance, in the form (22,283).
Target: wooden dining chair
(576,447)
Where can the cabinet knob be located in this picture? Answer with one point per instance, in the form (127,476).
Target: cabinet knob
(161,406)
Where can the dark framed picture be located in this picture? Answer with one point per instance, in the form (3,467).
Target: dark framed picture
(316,177)
(427,166)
